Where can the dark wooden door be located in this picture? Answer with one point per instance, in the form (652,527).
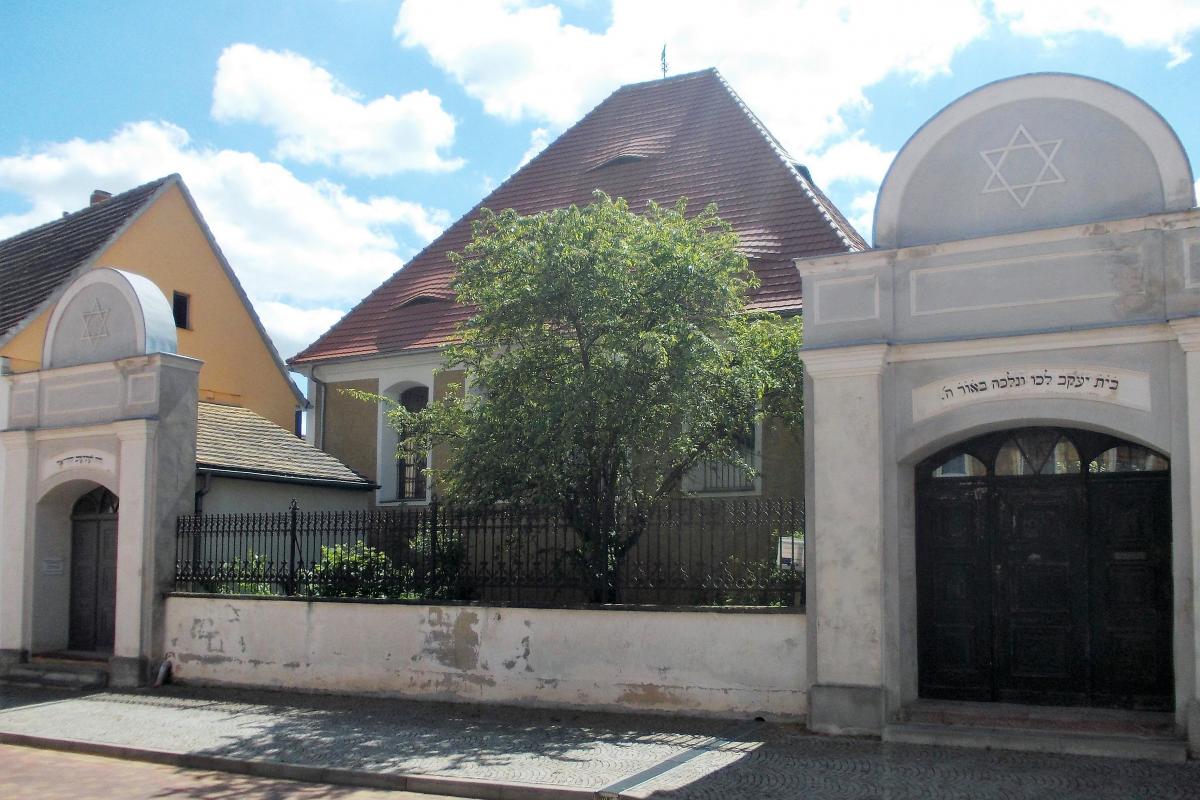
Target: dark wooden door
(1040,590)
(954,568)
(1045,580)
(93,582)
(1130,535)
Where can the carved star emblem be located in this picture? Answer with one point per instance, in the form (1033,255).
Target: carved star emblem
(95,323)
(1008,162)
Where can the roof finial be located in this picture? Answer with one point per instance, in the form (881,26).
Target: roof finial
(664,60)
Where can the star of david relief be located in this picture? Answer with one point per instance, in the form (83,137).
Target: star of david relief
(95,323)
(1021,166)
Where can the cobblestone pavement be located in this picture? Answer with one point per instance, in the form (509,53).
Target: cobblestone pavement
(640,756)
(29,774)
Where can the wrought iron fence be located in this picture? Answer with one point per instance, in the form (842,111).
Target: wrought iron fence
(716,552)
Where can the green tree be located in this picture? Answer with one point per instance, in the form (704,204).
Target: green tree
(610,352)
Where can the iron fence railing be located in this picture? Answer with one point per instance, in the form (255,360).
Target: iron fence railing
(727,551)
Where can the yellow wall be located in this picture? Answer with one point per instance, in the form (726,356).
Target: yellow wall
(350,426)
(167,245)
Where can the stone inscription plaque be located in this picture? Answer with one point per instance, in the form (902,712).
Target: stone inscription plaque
(1102,384)
(94,459)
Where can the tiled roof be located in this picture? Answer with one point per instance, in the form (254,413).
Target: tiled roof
(35,263)
(237,439)
(685,136)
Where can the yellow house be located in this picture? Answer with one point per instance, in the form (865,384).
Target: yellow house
(157,231)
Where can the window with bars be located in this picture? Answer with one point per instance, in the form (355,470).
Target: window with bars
(718,476)
(410,472)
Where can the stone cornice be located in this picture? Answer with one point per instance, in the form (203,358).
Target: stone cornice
(1187,331)
(845,362)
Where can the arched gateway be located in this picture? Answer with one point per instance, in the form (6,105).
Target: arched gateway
(111,413)
(1044,571)
(1003,430)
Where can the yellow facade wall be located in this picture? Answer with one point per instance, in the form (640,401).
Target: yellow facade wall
(168,246)
(351,425)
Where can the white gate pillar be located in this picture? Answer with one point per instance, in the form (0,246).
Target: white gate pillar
(135,556)
(16,544)
(1188,611)
(845,560)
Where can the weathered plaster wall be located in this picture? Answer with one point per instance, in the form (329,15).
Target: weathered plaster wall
(729,664)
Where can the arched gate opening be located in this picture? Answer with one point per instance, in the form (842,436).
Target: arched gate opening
(93,573)
(1044,571)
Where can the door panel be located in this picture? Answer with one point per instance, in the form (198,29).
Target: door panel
(953,584)
(1131,591)
(82,635)
(93,583)
(106,584)
(1041,601)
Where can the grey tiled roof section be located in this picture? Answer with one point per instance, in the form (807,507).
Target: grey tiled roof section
(237,439)
(35,263)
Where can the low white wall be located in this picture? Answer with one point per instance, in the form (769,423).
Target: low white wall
(717,663)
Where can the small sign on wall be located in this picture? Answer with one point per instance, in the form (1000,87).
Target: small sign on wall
(76,459)
(1102,384)
(52,566)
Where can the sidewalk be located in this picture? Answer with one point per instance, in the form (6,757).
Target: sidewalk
(527,754)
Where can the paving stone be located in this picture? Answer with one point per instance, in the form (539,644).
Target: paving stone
(674,757)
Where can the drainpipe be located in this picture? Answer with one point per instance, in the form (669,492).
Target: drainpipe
(207,480)
(318,438)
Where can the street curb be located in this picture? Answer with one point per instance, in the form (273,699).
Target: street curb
(478,789)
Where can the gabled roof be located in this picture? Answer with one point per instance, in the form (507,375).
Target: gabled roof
(35,263)
(688,136)
(235,441)
(35,266)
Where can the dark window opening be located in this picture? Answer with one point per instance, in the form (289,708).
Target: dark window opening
(181,306)
(410,472)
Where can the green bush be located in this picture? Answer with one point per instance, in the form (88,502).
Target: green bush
(442,561)
(358,570)
(240,576)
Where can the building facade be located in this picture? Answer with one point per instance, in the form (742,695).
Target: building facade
(1005,403)
(686,136)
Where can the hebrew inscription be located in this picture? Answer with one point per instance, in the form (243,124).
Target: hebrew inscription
(91,459)
(1102,384)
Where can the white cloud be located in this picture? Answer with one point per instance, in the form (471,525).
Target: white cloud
(851,160)
(538,139)
(1158,24)
(798,65)
(293,328)
(862,213)
(320,121)
(312,248)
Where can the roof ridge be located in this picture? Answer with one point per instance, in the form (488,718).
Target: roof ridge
(681,76)
(96,207)
(841,227)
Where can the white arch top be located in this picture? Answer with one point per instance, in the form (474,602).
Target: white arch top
(107,314)
(1032,152)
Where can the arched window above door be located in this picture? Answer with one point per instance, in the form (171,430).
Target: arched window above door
(962,465)
(1038,451)
(99,501)
(1128,458)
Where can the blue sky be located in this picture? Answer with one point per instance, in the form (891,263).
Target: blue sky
(326,142)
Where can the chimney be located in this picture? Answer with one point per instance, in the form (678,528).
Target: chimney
(99,196)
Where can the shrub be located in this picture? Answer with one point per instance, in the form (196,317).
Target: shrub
(358,570)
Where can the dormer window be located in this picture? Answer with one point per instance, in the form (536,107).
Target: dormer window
(619,159)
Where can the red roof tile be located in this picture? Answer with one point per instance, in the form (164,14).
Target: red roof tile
(688,136)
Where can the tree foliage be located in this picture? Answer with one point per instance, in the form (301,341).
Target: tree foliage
(610,352)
